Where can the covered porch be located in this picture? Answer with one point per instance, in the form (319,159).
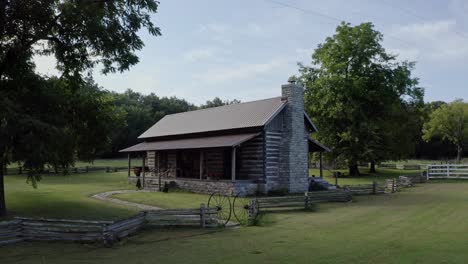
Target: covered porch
(314,147)
(227,164)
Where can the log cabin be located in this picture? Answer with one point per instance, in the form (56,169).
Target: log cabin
(256,147)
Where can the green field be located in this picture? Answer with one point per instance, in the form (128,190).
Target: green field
(421,225)
(59,196)
(424,224)
(365,177)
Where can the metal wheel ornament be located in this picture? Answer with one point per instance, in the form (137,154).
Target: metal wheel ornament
(244,209)
(222,203)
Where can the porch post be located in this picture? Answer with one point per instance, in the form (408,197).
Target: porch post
(129,164)
(321,164)
(143,170)
(159,171)
(233,164)
(201,164)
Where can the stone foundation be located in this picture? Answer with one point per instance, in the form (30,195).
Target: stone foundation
(226,187)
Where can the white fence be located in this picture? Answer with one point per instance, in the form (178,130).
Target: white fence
(447,171)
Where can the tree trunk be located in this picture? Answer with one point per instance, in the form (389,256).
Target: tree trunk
(459,153)
(353,170)
(372,167)
(3,211)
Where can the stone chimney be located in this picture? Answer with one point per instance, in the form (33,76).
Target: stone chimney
(294,173)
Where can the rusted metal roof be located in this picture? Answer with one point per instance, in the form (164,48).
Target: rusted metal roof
(234,116)
(193,143)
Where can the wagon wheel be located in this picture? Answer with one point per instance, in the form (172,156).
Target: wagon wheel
(244,209)
(240,208)
(222,203)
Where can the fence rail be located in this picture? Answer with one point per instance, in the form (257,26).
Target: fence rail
(447,171)
(10,232)
(365,189)
(84,169)
(303,201)
(42,229)
(395,184)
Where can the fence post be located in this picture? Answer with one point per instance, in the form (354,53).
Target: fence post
(448,170)
(252,209)
(306,200)
(393,185)
(374,187)
(202,215)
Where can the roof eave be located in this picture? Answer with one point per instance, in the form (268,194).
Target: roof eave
(310,122)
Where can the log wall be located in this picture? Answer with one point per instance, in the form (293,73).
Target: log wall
(249,158)
(272,162)
(214,163)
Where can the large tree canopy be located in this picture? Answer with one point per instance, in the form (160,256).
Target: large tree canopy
(79,33)
(449,122)
(52,121)
(364,101)
(142,111)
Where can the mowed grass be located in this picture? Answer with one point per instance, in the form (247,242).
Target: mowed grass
(425,224)
(365,178)
(171,200)
(59,196)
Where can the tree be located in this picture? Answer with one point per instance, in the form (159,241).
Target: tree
(52,121)
(436,148)
(218,102)
(450,122)
(142,111)
(361,97)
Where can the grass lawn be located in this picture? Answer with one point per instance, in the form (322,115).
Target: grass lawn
(419,225)
(166,200)
(59,196)
(365,177)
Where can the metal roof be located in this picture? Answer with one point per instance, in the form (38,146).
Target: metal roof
(193,143)
(315,146)
(234,116)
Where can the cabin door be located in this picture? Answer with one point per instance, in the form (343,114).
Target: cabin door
(189,161)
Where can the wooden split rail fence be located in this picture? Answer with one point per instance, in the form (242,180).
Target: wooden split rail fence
(395,184)
(304,201)
(40,229)
(85,169)
(365,189)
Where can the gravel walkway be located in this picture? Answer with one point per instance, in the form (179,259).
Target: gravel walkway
(105,197)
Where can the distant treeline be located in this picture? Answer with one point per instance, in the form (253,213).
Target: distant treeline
(142,111)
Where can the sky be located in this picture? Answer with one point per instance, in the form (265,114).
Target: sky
(247,49)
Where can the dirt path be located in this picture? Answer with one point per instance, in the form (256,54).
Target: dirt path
(105,197)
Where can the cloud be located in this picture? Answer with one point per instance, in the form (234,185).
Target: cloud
(198,54)
(225,34)
(243,71)
(436,40)
(217,32)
